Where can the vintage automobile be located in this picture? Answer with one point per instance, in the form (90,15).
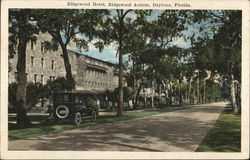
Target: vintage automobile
(69,106)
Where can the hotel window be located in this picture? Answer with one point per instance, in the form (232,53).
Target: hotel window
(42,47)
(52,64)
(52,78)
(32,45)
(35,78)
(42,79)
(32,61)
(15,75)
(42,62)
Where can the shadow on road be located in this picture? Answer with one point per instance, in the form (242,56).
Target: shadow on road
(181,130)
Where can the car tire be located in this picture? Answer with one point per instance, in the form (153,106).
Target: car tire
(93,116)
(78,118)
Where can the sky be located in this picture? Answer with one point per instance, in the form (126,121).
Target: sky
(109,52)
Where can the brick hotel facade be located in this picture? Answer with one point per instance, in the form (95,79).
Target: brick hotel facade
(90,74)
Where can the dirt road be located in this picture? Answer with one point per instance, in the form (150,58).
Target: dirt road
(176,131)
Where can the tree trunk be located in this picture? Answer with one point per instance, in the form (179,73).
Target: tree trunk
(194,97)
(170,102)
(22,118)
(189,92)
(198,89)
(134,87)
(120,84)
(66,61)
(233,95)
(67,64)
(113,106)
(238,95)
(137,93)
(153,91)
(186,96)
(166,92)
(180,94)
(204,94)
(159,93)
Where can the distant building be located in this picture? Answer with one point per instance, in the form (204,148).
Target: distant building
(90,73)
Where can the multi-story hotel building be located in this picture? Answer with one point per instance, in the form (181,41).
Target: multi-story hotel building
(89,73)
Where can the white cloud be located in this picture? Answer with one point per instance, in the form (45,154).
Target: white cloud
(132,15)
(180,42)
(113,59)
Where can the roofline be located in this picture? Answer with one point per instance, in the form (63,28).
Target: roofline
(110,63)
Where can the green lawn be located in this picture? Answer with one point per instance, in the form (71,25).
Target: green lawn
(225,136)
(40,128)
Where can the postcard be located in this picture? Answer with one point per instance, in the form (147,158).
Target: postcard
(134,79)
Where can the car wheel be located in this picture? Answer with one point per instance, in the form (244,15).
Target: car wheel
(93,116)
(78,118)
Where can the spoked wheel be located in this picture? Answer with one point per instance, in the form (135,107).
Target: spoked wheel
(78,118)
(93,116)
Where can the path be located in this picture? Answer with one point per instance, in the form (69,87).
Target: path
(176,131)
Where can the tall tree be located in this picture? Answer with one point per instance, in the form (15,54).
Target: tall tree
(225,57)
(77,26)
(151,36)
(121,14)
(229,46)
(167,27)
(22,30)
(118,28)
(136,45)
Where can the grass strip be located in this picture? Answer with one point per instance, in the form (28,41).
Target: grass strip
(225,136)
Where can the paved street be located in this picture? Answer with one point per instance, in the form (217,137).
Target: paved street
(178,131)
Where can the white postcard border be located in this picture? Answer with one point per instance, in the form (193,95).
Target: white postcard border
(204,4)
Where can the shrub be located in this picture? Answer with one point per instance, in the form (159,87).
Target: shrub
(60,84)
(92,103)
(35,92)
(127,93)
